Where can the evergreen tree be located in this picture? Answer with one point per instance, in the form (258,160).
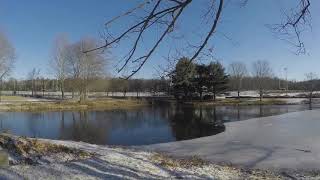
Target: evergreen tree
(183,77)
(217,78)
(201,78)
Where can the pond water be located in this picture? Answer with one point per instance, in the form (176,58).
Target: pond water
(147,125)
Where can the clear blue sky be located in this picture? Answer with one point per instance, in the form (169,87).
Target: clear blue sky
(32,26)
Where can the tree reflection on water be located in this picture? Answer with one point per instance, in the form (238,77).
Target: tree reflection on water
(189,122)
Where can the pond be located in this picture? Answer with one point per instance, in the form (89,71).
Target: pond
(147,125)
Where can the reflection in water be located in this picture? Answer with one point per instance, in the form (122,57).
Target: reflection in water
(156,124)
(189,123)
(82,127)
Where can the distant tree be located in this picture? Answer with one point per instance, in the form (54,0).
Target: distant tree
(262,72)
(201,78)
(124,85)
(136,85)
(33,75)
(99,85)
(43,85)
(310,86)
(11,85)
(237,71)
(217,78)
(112,87)
(7,57)
(58,61)
(163,85)
(85,67)
(183,76)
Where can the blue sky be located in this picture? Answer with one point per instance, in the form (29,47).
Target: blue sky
(32,26)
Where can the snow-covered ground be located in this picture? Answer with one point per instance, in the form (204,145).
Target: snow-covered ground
(123,163)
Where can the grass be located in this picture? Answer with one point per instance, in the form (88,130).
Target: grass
(22,104)
(227,170)
(266,101)
(197,163)
(13,98)
(169,162)
(4,159)
(103,104)
(27,149)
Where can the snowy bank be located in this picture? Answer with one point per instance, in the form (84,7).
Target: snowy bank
(104,162)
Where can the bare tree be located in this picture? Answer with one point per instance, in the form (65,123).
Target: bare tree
(261,72)
(84,67)
(165,15)
(136,85)
(7,57)
(123,84)
(311,80)
(58,61)
(32,76)
(237,71)
(294,22)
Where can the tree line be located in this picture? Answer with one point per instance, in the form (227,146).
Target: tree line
(192,80)
(40,85)
(212,79)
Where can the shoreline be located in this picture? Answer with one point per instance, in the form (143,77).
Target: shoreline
(116,103)
(102,104)
(243,102)
(100,161)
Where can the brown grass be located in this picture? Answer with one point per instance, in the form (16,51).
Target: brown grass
(265,101)
(103,104)
(13,98)
(26,149)
(169,162)
(197,162)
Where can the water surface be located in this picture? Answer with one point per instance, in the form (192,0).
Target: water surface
(147,125)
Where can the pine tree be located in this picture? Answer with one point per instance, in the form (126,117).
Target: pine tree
(183,77)
(217,78)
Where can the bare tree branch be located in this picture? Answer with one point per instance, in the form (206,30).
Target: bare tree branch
(290,30)
(163,14)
